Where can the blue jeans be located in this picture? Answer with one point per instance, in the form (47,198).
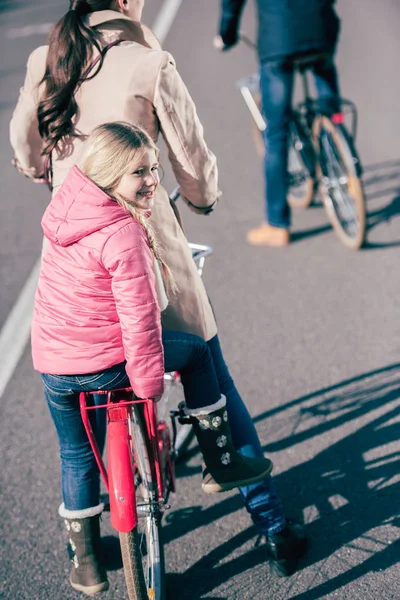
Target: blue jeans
(260,499)
(204,376)
(276,86)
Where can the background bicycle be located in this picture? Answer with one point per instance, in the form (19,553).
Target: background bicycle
(321,156)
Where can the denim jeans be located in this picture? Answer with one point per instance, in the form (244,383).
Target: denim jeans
(80,478)
(204,377)
(260,499)
(276,86)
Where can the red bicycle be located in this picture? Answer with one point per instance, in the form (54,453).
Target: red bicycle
(139,479)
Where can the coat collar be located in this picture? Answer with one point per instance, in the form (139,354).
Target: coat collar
(113,25)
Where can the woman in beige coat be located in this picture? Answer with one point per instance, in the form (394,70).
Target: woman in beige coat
(63,100)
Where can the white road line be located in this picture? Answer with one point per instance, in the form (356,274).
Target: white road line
(165,18)
(16,329)
(161,26)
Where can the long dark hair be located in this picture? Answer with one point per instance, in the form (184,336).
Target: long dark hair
(71,46)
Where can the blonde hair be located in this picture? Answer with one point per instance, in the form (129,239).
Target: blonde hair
(110,151)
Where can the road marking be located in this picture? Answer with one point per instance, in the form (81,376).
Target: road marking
(161,26)
(16,329)
(165,18)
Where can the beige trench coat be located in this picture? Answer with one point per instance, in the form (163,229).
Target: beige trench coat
(138,83)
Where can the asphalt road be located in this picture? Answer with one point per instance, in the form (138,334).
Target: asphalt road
(310,332)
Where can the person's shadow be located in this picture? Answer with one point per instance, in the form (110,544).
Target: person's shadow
(348,489)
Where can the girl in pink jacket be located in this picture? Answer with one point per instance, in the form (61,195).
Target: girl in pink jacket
(97,326)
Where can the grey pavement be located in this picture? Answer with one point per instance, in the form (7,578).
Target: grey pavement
(311,335)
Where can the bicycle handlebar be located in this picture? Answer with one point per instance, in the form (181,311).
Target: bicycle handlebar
(174,195)
(244,38)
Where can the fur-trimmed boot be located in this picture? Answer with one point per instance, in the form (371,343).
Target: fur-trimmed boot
(224,468)
(83,526)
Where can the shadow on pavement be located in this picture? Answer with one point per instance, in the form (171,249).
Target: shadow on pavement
(380,180)
(349,488)
(209,572)
(376,179)
(377,562)
(383,215)
(111,552)
(379,175)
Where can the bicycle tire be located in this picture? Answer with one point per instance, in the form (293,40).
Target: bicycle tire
(300,167)
(347,215)
(132,563)
(142,549)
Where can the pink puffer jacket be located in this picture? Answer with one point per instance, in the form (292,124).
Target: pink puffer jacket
(96,303)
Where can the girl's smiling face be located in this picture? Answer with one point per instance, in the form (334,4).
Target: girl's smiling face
(138,186)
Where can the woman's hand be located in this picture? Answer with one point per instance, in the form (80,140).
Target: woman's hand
(15,163)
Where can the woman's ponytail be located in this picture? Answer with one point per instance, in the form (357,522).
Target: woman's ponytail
(71,47)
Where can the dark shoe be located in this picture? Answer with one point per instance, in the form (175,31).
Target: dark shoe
(285,548)
(225,469)
(83,526)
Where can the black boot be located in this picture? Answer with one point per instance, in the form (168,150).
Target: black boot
(285,548)
(225,468)
(83,526)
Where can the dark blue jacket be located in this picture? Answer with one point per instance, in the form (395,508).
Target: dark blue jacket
(285,27)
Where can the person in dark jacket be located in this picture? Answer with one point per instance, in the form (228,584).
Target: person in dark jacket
(286,29)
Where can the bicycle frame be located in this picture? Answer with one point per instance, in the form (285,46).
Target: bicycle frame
(305,111)
(119,480)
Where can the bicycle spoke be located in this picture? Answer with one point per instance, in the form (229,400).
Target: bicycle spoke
(338,186)
(148,511)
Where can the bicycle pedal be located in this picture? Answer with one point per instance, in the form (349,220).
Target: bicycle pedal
(185,420)
(105,499)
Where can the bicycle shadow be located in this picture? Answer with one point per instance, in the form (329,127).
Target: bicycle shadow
(350,487)
(111,553)
(381,180)
(379,174)
(383,215)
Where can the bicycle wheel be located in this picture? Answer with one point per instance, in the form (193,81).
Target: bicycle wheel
(142,549)
(341,188)
(173,399)
(300,167)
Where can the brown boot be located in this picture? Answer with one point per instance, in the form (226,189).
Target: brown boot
(267,235)
(225,469)
(87,575)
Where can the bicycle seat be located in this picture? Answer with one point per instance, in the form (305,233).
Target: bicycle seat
(306,61)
